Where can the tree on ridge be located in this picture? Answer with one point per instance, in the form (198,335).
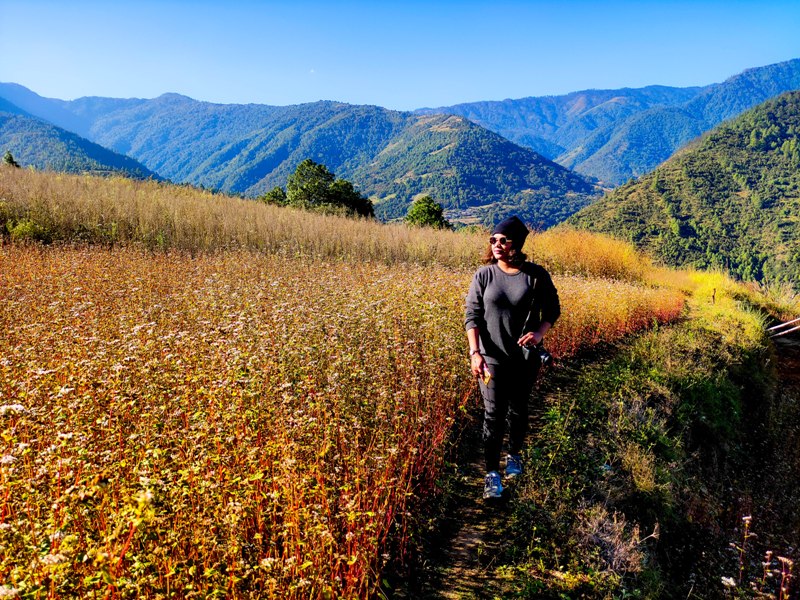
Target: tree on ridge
(312,186)
(426,212)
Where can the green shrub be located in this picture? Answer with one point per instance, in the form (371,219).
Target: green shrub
(28,230)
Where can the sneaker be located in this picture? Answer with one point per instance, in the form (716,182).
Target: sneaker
(492,486)
(513,465)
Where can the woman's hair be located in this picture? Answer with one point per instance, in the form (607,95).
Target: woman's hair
(515,258)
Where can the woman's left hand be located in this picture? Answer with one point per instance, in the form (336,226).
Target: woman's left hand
(531,338)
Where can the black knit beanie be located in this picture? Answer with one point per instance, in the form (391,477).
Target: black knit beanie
(513,229)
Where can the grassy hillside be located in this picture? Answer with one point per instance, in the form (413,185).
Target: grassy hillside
(117,211)
(730,201)
(390,156)
(614,135)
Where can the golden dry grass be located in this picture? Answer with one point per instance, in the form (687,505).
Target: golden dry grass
(160,216)
(579,252)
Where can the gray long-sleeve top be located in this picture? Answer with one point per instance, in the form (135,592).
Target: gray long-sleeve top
(498,304)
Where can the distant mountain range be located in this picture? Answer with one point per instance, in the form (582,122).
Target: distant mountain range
(35,142)
(729,200)
(523,165)
(390,156)
(615,135)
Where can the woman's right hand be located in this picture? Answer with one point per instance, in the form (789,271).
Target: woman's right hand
(477,364)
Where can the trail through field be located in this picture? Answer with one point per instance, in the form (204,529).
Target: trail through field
(476,533)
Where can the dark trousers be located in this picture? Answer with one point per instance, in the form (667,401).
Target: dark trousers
(505,404)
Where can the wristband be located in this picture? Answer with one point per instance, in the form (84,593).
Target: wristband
(476,351)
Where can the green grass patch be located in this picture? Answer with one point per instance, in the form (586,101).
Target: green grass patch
(628,469)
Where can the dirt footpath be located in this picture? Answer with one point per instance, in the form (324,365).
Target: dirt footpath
(475,534)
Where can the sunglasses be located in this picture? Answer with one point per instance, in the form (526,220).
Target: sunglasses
(502,240)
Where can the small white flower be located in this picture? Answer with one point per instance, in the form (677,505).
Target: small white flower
(7,460)
(6,591)
(144,497)
(728,582)
(54,559)
(12,408)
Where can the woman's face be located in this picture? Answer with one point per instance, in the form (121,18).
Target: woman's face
(501,247)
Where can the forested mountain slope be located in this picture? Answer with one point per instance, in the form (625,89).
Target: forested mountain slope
(554,125)
(479,173)
(35,142)
(730,200)
(615,135)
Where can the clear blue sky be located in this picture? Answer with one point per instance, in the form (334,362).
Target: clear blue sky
(400,55)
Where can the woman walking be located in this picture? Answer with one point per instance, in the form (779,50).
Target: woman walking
(511,305)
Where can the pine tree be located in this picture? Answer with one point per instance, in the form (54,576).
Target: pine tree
(8,159)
